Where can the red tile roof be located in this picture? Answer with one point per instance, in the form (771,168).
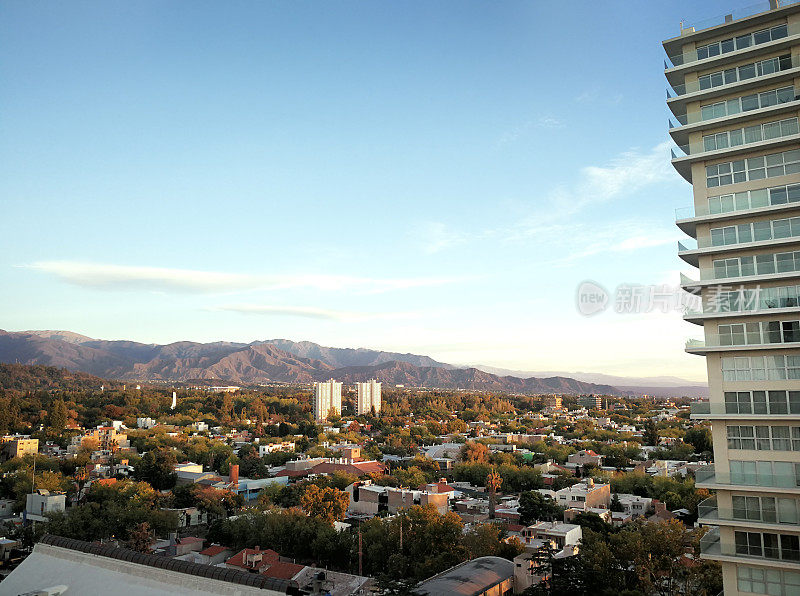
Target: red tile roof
(281,570)
(213,550)
(238,560)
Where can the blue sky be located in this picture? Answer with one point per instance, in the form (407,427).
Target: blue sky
(434,177)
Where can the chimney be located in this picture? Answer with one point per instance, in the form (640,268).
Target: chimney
(233,478)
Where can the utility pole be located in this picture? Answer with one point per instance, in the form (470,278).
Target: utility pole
(360,552)
(401,532)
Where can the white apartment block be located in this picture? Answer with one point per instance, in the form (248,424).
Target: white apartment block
(368,397)
(733,90)
(327,397)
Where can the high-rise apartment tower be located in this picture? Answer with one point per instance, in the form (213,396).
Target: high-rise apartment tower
(733,89)
(368,397)
(327,397)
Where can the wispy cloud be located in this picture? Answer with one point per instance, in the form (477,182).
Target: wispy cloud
(596,96)
(121,277)
(546,121)
(309,312)
(434,236)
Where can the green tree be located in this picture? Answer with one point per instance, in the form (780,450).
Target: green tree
(58,417)
(700,438)
(158,468)
(534,506)
(650,435)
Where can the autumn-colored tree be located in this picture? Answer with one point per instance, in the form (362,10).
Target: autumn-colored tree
(141,538)
(473,451)
(326,503)
(215,502)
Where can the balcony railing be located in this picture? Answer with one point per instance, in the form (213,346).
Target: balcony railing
(737,14)
(784,130)
(708,274)
(746,409)
(714,340)
(692,55)
(697,117)
(707,242)
(682,213)
(710,543)
(694,86)
(708,474)
(709,511)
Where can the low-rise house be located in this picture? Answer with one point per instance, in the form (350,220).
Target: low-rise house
(634,505)
(178,547)
(17,446)
(265,448)
(560,533)
(584,494)
(367,498)
(6,507)
(214,554)
(41,502)
(189,516)
(586,457)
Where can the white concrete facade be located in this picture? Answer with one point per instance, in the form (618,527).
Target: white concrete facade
(327,397)
(368,397)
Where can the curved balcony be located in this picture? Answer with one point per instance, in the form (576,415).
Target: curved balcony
(693,122)
(725,343)
(703,410)
(700,31)
(687,218)
(709,477)
(691,255)
(709,512)
(691,92)
(698,317)
(696,152)
(690,285)
(709,279)
(692,61)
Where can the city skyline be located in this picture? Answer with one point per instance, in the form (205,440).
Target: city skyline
(420,181)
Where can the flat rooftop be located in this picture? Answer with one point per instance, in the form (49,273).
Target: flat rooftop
(469,578)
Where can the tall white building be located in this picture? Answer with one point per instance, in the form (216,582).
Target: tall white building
(327,396)
(735,93)
(369,397)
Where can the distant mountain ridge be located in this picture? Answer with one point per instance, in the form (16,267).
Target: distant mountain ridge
(278,360)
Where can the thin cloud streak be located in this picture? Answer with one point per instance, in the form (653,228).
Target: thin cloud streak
(125,277)
(310,312)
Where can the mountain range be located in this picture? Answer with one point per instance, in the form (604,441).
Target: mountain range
(285,361)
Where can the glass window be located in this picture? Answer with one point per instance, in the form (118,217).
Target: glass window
(778,195)
(761,37)
(768,98)
(765,264)
(785,94)
(762,231)
(772,130)
(744,41)
(781,228)
(748,71)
